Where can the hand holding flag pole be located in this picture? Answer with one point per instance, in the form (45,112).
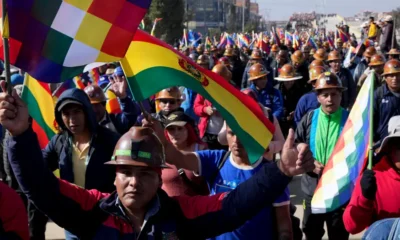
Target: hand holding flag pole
(371,121)
(5,34)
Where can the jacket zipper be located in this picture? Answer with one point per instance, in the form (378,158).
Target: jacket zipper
(326,138)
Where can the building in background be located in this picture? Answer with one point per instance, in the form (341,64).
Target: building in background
(220,15)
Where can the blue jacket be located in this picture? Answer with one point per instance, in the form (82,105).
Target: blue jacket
(384,108)
(270,98)
(188,104)
(90,214)
(58,153)
(361,66)
(307,102)
(127,118)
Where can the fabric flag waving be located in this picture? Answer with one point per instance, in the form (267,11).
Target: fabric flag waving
(112,105)
(54,40)
(348,157)
(76,82)
(37,97)
(152,65)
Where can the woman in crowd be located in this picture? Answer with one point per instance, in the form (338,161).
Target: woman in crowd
(179,130)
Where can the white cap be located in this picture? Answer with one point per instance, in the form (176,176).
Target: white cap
(364,24)
(388,18)
(393,130)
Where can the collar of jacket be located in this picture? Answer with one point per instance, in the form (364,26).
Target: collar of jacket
(386,90)
(105,120)
(334,115)
(113,206)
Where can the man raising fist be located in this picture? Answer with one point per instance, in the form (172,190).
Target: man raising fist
(140,209)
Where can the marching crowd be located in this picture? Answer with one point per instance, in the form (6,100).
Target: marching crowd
(172,168)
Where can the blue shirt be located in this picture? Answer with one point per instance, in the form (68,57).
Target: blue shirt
(188,104)
(271,98)
(227,179)
(307,103)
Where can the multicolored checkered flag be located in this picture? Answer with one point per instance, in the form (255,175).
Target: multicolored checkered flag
(53,40)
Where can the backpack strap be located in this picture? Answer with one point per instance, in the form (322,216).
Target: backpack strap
(220,165)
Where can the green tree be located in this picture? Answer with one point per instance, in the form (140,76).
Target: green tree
(172,13)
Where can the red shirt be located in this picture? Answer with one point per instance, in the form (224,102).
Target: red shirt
(361,212)
(174,185)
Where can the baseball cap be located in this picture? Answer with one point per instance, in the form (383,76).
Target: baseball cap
(176,118)
(393,130)
(119,72)
(66,102)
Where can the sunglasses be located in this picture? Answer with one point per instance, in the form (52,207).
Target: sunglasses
(170,101)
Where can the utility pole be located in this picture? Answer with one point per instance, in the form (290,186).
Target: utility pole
(204,12)
(244,8)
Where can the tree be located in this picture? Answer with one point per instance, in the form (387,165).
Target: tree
(251,26)
(172,13)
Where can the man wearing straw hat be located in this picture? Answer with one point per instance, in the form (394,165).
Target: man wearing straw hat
(375,195)
(321,129)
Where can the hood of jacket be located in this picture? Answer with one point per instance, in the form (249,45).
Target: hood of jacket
(81,97)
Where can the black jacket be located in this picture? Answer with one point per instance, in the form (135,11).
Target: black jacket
(309,180)
(58,153)
(95,215)
(348,96)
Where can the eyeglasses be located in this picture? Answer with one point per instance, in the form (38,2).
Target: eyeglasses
(166,101)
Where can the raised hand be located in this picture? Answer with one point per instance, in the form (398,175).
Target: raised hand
(209,111)
(119,86)
(295,159)
(14,114)
(157,128)
(319,168)
(368,184)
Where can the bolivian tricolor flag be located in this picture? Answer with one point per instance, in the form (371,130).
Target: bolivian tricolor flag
(112,105)
(37,96)
(151,65)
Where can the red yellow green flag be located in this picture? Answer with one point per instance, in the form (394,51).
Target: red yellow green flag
(152,65)
(112,106)
(37,96)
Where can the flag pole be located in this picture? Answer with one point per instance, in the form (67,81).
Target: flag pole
(371,121)
(5,33)
(394,33)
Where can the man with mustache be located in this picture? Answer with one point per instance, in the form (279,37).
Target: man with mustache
(140,209)
(387,100)
(321,129)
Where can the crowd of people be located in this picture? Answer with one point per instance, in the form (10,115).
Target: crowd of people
(172,168)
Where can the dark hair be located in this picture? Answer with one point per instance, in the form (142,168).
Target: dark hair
(192,136)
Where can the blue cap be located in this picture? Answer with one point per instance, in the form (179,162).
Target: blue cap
(119,72)
(17,79)
(103,81)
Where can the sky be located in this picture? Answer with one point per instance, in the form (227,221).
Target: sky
(282,9)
